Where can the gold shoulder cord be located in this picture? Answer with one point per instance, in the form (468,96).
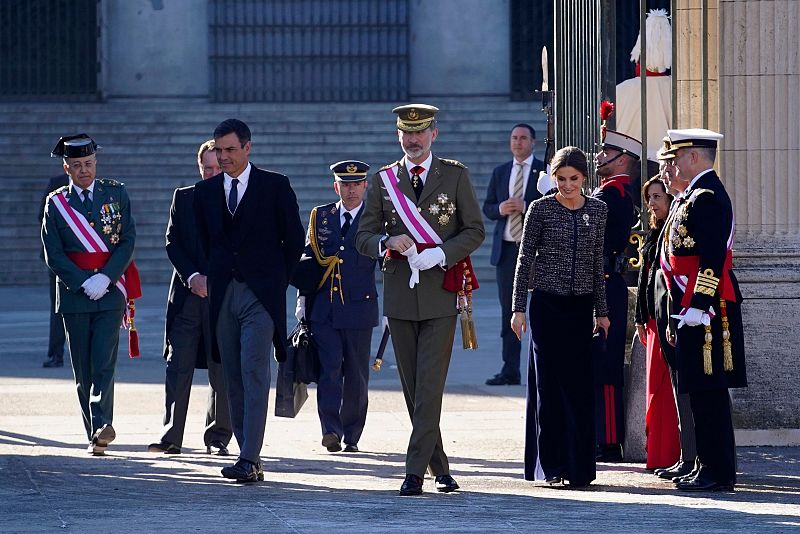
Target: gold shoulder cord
(331,263)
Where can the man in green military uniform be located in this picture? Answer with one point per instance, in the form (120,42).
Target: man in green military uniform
(88,235)
(422,212)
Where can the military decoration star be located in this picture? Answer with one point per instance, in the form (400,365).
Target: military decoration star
(682,230)
(688,242)
(106,229)
(442,209)
(114,239)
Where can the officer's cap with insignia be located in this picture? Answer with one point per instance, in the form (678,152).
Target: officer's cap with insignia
(415,117)
(692,138)
(664,153)
(623,143)
(350,170)
(74,146)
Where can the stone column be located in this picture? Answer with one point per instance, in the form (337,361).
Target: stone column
(155,48)
(754,100)
(460,48)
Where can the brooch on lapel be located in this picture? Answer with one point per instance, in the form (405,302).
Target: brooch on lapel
(586,219)
(442,209)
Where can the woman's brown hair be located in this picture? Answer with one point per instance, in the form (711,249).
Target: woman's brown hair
(569,156)
(646,189)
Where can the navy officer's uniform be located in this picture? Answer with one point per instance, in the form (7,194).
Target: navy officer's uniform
(698,237)
(341,315)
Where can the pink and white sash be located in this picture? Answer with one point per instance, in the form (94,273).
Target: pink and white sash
(418,227)
(84,232)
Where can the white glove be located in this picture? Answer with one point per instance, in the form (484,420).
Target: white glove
(545,182)
(693,317)
(300,309)
(96,286)
(428,258)
(411,253)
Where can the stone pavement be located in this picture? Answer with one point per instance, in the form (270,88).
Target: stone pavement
(48,482)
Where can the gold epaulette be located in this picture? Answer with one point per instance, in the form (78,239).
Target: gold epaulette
(696,193)
(389,165)
(453,162)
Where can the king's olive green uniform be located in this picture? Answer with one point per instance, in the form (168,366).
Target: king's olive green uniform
(422,320)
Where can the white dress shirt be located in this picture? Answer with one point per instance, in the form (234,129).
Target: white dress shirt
(80,191)
(241,188)
(353,212)
(425,165)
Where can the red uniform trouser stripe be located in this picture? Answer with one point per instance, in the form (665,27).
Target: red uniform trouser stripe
(611,414)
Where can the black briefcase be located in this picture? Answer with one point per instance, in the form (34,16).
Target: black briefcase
(290,396)
(306,357)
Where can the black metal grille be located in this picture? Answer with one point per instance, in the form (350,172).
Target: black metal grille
(309,50)
(584,54)
(531,29)
(49,49)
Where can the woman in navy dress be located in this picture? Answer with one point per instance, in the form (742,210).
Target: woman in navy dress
(563,233)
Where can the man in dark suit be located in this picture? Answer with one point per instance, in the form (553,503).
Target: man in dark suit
(344,309)
(250,230)
(57,338)
(511,189)
(187,337)
(706,301)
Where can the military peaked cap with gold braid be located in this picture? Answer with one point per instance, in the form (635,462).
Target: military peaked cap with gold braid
(350,170)
(415,117)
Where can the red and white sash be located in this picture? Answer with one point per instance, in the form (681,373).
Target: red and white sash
(420,230)
(85,233)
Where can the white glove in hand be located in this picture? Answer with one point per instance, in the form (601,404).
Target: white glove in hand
(96,286)
(428,258)
(300,309)
(411,253)
(545,182)
(693,317)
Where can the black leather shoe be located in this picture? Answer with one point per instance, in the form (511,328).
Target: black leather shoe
(244,471)
(658,470)
(332,442)
(688,478)
(678,470)
(501,380)
(53,363)
(609,453)
(164,448)
(703,484)
(445,484)
(350,448)
(412,485)
(552,481)
(217,448)
(102,437)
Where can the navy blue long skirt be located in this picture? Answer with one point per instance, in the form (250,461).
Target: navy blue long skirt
(560,430)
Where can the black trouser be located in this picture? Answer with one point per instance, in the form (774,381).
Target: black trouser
(505,289)
(713,427)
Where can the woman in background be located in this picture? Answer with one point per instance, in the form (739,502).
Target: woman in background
(661,418)
(563,232)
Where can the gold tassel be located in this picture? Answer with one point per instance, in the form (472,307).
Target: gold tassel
(707,368)
(468,334)
(727,351)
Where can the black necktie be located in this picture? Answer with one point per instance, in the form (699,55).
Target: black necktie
(233,196)
(346,225)
(87,202)
(416,179)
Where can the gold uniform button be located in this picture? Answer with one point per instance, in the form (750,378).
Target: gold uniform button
(336,289)
(367,296)
(96,270)
(419,209)
(341,247)
(338,276)
(91,224)
(341,261)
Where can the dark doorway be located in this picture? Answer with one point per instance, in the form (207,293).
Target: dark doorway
(49,50)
